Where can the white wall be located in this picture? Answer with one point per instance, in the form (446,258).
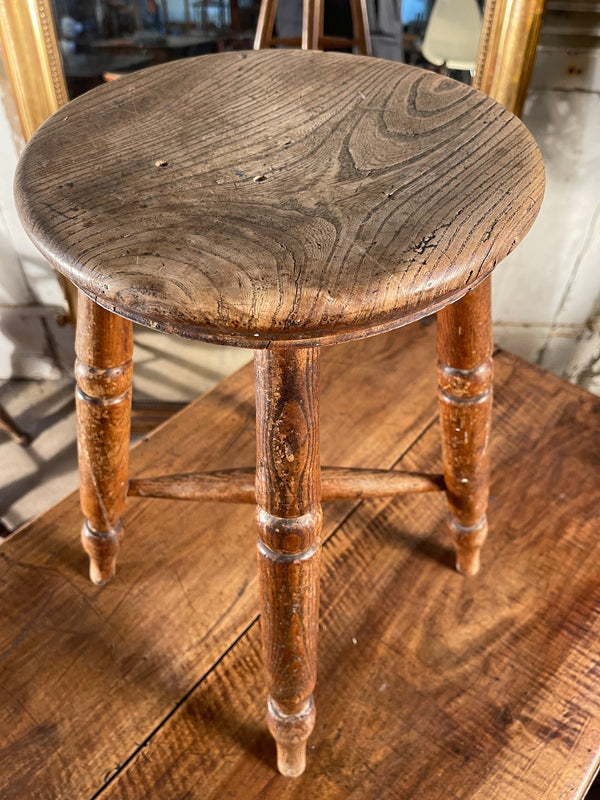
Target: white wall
(546,292)
(32,345)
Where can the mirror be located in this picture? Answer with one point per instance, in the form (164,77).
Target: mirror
(100,39)
(74,45)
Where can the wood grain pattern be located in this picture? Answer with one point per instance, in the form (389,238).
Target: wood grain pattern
(492,680)
(299,197)
(288,476)
(465,376)
(238,485)
(88,673)
(104,371)
(432,686)
(289,517)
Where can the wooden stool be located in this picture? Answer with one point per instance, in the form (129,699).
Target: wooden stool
(313,36)
(281,200)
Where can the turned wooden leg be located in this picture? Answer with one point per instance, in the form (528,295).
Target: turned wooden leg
(465,372)
(288,492)
(103,370)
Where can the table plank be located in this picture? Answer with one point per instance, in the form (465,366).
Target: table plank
(432,685)
(87,673)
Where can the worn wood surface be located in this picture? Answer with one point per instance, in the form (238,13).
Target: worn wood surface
(147,415)
(465,373)
(289,520)
(431,685)
(87,673)
(104,372)
(282,196)
(238,485)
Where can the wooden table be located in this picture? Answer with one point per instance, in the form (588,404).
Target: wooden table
(432,685)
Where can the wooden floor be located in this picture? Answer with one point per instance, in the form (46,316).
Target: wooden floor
(431,685)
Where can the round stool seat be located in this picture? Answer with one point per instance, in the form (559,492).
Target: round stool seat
(277,197)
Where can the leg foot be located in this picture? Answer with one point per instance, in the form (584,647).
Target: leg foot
(465,373)
(467,542)
(102,548)
(291,732)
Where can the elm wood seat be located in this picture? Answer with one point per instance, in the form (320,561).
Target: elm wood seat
(281,200)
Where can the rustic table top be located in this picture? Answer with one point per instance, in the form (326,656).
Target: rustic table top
(430,685)
(276,196)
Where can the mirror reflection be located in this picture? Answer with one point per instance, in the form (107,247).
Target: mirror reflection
(102,39)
